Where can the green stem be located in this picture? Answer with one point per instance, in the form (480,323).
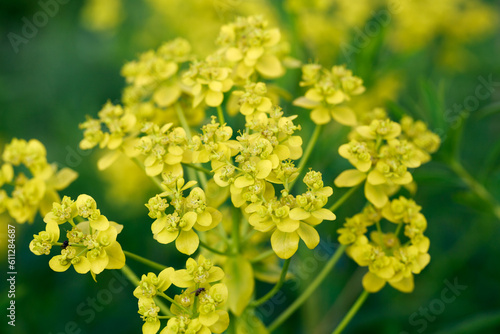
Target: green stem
(344,198)
(262,256)
(309,290)
(235,232)
(153,178)
(221,115)
(352,312)
(197,167)
(185,126)
(398,229)
(307,153)
(173,302)
(211,249)
(475,186)
(145,261)
(276,288)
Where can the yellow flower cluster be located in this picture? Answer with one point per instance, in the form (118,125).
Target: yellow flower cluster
(189,213)
(329,89)
(33,192)
(89,245)
(383,154)
(197,310)
(387,258)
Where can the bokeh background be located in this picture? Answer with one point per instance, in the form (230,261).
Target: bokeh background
(425,58)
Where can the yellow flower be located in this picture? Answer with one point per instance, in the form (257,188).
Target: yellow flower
(253,100)
(43,241)
(251,46)
(190,212)
(164,148)
(329,90)
(209,80)
(150,284)
(197,272)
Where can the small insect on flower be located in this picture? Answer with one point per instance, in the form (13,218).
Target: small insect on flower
(198,291)
(65,244)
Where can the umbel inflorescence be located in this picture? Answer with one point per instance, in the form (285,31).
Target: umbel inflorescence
(226,191)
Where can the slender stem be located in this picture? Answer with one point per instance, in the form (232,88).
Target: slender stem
(276,288)
(344,197)
(221,115)
(307,153)
(173,302)
(398,229)
(145,261)
(153,178)
(262,256)
(211,249)
(235,232)
(185,126)
(475,186)
(197,167)
(352,312)
(132,277)
(309,290)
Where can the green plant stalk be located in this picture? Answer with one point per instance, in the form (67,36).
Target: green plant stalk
(211,249)
(307,153)
(153,178)
(145,261)
(476,187)
(132,277)
(185,126)
(173,302)
(309,290)
(262,256)
(352,312)
(235,232)
(197,168)
(344,198)
(220,114)
(275,289)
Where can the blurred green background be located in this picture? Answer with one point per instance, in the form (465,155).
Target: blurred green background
(71,67)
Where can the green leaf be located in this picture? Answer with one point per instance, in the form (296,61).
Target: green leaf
(249,323)
(240,283)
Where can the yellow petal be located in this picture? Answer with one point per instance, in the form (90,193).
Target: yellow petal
(116,256)
(344,115)
(234,54)
(287,225)
(406,284)
(349,178)
(309,235)
(209,319)
(264,168)
(64,178)
(166,237)
(285,244)
(375,177)
(214,99)
(151,327)
(100,224)
(82,266)
(243,181)
(372,283)
(269,66)
(320,115)
(299,214)
(55,264)
(305,103)
(187,242)
(376,195)
(324,214)
(166,95)
(222,324)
